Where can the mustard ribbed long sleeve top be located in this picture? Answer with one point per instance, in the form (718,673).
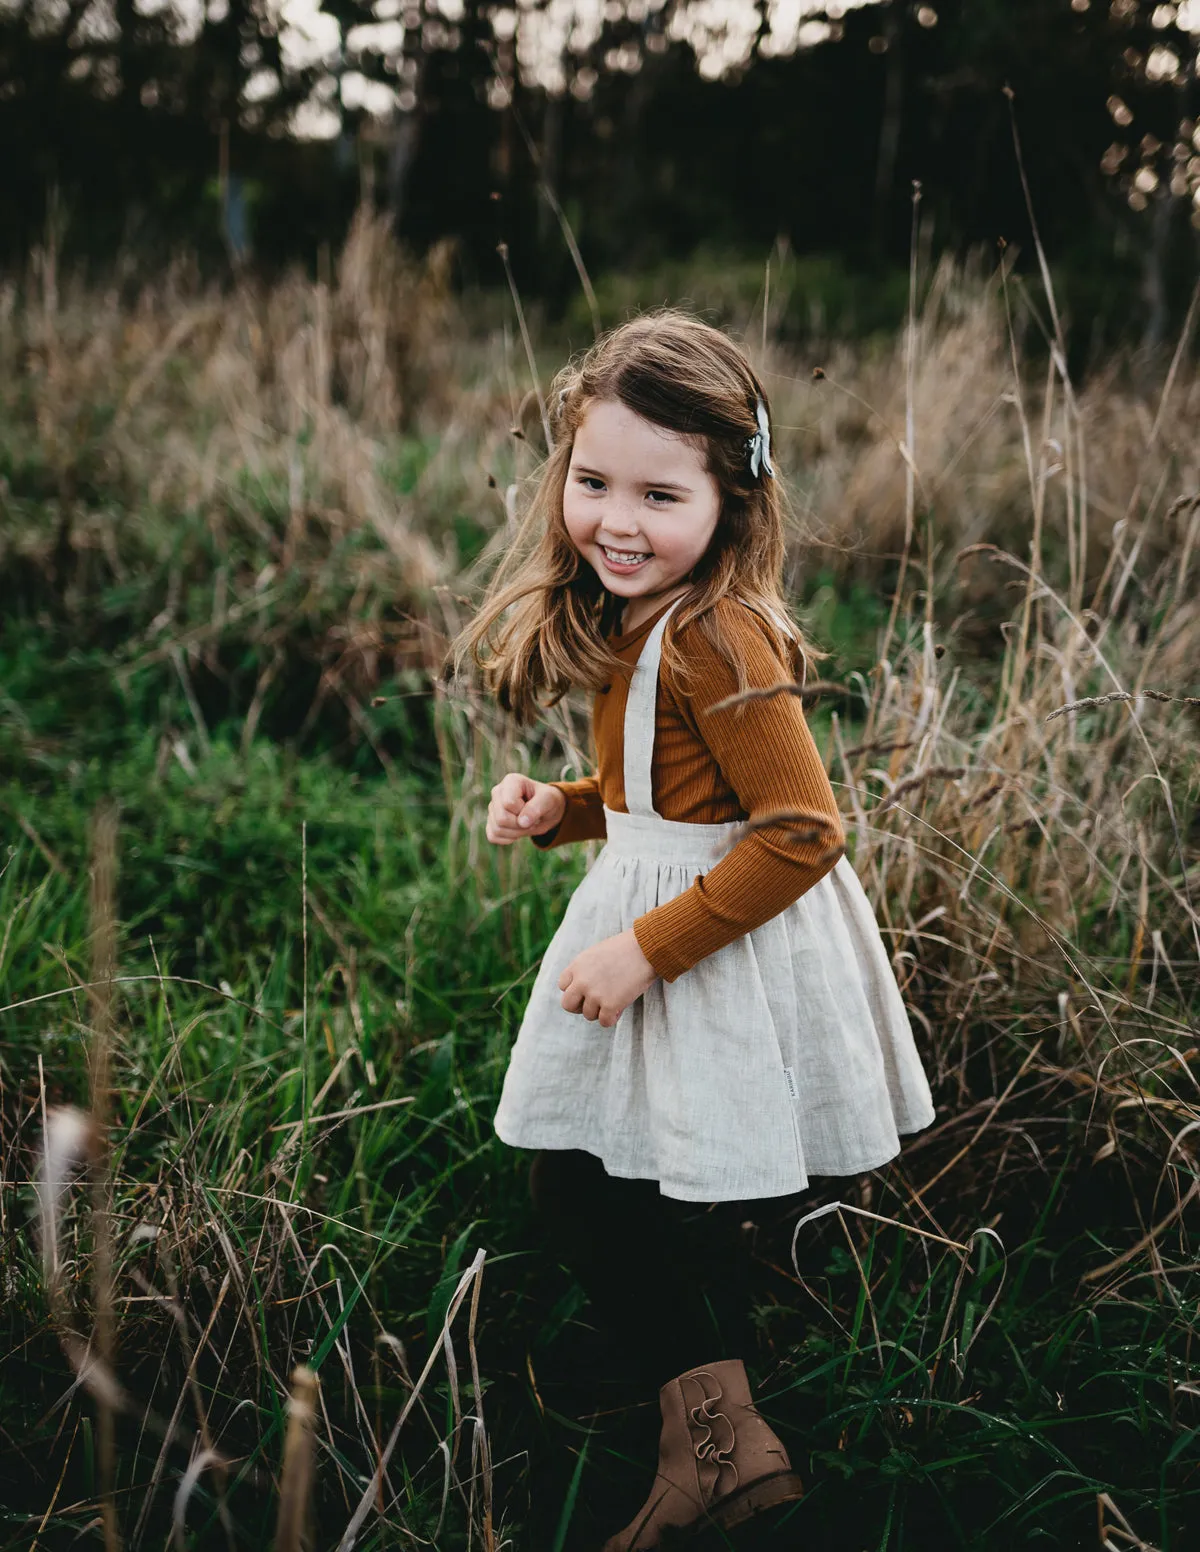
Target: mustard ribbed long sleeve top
(707,770)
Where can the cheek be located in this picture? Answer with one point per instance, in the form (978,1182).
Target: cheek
(579,521)
(712,519)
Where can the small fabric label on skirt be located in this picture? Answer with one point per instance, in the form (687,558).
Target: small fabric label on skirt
(791,1081)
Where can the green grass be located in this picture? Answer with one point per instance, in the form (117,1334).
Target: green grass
(983,1413)
(323,962)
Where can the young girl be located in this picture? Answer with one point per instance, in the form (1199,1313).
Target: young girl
(716,1017)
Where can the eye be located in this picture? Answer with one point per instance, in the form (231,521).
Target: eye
(661,497)
(591,482)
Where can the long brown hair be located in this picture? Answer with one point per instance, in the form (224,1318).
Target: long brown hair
(687,377)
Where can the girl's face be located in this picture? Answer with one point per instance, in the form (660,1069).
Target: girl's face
(635,487)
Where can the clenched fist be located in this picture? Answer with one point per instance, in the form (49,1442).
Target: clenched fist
(521,806)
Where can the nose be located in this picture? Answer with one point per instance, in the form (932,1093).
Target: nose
(620,522)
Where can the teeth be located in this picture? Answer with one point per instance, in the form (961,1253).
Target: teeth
(625,555)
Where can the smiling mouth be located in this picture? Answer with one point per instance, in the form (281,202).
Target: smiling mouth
(625,557)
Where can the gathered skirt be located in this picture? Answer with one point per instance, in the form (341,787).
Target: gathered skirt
(785,1054)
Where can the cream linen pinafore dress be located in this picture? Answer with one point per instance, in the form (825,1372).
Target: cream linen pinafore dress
(785,1054)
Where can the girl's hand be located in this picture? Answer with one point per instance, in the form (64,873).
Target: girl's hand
(601,982)
(515,798)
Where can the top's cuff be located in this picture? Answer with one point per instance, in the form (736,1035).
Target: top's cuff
(583,819)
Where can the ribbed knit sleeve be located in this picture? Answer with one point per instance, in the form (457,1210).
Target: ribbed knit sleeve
(767,755)
(584,816)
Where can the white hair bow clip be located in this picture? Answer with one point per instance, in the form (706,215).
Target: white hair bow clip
(760,443)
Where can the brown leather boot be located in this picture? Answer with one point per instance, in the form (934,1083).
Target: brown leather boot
(719,1462)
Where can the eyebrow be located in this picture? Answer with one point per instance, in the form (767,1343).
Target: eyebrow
(599,474)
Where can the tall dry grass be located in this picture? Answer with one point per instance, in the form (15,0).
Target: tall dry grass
(1017,766)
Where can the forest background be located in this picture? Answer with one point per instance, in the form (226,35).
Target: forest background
(281,291)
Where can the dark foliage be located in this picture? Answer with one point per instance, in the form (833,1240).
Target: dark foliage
(130,137)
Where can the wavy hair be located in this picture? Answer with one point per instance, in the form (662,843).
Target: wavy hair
(686,377)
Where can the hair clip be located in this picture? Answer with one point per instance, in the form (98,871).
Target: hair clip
(760,444)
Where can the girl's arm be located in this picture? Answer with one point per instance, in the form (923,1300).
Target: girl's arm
(584,816)
(767,755)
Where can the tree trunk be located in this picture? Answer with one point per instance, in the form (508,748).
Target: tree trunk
(551,158)
(1154,275)
(889,127)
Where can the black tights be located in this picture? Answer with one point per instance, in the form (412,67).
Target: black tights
(671,1282)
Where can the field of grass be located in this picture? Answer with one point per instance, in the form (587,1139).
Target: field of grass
(260,969)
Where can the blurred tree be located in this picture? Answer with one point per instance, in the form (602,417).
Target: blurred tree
(128,107)
(657,125)
(1154,155)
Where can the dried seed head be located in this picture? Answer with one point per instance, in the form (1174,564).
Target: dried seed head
(72,1138)
(296,1480)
